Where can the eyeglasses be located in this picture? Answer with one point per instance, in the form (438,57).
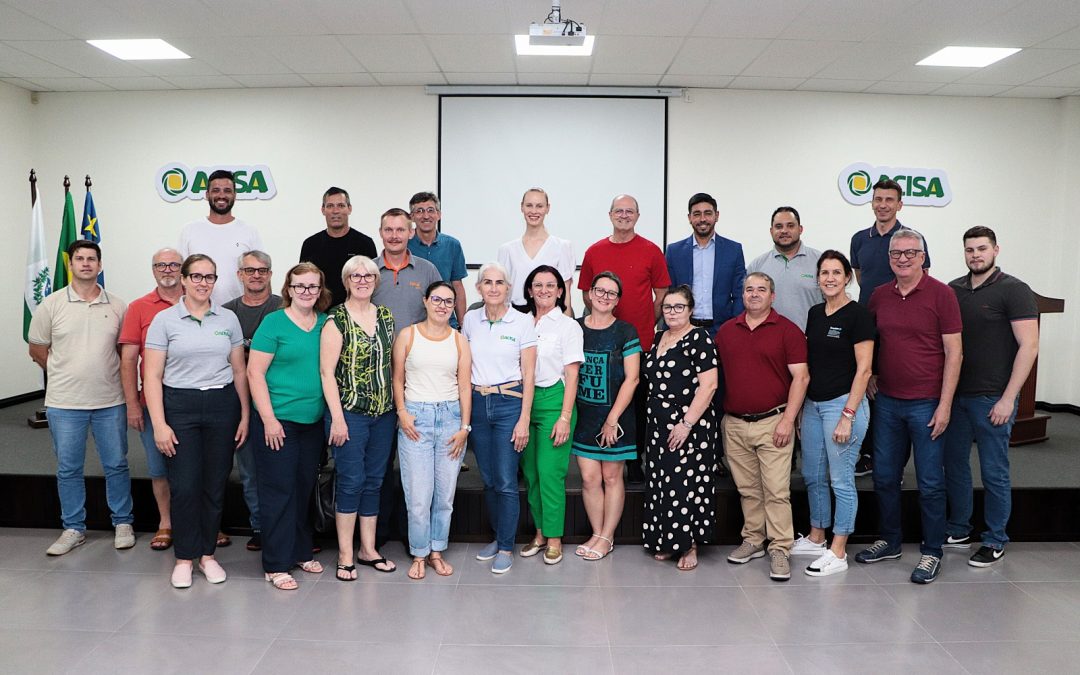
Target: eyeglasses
(541,286)
(604,293)
(252,271)
(908,253)
(161,267)
(674,309)
(429,210)
(199,278)
(301,289)
(362,277)
(624,212)
(441,302)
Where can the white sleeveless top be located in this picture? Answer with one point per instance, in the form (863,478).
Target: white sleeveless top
(431,369)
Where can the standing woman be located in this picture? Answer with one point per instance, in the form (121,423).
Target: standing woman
(840,338)
(503,345)
(680,424)
(559,354)
(354,363)
(432,365)
(604,437)
(536,246)
(283,373)
(197,395)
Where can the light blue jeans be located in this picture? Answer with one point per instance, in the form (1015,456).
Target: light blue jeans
(69,431)
(825,461)
(428,474)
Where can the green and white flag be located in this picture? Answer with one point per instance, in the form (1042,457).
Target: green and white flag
(38,283)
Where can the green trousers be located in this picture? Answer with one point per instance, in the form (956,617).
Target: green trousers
(544,465)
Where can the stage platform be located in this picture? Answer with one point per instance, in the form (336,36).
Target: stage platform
(1046,492)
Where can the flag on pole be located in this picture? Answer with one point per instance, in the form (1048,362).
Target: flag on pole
(62,275)
(38,284)
(90,228)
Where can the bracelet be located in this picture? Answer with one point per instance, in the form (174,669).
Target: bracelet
(686,424)
(849,413)
(565,417)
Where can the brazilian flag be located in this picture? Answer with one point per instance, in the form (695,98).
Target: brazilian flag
(68,234)
(91,229)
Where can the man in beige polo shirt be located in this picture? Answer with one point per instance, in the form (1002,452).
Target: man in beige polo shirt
(73,337)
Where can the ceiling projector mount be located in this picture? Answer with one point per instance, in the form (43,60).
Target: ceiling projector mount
(556,31)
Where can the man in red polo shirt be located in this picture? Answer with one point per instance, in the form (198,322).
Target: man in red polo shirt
(918,365)
(765,377)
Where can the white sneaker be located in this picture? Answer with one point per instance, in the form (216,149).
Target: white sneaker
(68,540)
(826,565)
(124,538)
(803,546)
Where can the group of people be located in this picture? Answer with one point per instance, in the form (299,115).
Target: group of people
(681,357)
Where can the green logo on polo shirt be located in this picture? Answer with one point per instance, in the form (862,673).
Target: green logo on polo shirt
(509,338)
(226,333)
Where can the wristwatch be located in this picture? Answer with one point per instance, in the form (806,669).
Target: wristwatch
(686,424)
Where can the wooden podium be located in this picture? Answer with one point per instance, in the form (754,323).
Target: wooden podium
(1030,427)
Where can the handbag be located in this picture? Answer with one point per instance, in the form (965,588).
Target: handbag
(324,506)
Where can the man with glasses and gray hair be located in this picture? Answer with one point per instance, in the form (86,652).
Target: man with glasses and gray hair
(255,272)
(918,366)
(333,246)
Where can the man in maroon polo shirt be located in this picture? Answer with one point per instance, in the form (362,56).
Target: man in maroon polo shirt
(765,378)
(918,365)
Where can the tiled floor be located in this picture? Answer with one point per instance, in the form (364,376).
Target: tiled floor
(98,610)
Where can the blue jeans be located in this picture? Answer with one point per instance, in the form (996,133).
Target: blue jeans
(246,467)
(825,461)
(493,420)
(971,422)
(360,463)
(899,426)
(428,474)
(155,461)
(69,429)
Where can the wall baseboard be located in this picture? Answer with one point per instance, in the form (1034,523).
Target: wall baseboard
(1058,407)
(22,398)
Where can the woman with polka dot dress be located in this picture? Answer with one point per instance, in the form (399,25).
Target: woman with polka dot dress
(680,446)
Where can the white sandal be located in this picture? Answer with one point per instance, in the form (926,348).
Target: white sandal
(597,555)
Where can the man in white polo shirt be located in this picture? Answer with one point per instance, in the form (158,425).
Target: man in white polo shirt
(73,337)
(221,236)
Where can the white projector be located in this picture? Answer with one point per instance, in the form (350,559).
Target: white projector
(557,34)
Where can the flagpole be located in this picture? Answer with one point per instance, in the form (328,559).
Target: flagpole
(37,419)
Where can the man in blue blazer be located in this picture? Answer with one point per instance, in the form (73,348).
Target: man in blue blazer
(711,265)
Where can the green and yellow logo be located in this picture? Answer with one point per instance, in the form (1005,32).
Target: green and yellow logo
(920,186)
(177,181)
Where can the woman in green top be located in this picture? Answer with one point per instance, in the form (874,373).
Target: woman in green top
(288,432)
(354,363)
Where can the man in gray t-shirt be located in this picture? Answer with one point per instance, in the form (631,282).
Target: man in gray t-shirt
(792,266)
(255,272)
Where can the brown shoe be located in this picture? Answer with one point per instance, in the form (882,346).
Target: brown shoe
(745,553)
(779,567)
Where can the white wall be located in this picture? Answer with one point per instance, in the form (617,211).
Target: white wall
(1011,164)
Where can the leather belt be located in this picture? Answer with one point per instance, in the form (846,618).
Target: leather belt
(757,417)
(701,323)
(506,389)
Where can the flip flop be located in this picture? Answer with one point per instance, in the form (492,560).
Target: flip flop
(416,570)
(378,561)
(687,568)
(348,569)
(162,539)
(441,567)
(223,540)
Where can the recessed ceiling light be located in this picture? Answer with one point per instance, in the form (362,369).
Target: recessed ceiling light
(139,50)
(526,49)
(967,57)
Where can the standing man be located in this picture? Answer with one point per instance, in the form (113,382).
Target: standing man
(438,248)
(254,273)
(165,266)
(330,248)
(1001,342)
(918,365)
(403,277)
(73,338)
(641,267)
(792,266)
(870,260)
(765,373)
(220,235)
(711,265)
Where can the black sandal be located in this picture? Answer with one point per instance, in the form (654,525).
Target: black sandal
(377,561)
(348,569)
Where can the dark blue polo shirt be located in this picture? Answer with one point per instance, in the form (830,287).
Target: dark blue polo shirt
(870,255)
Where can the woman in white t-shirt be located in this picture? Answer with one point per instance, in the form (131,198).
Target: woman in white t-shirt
(432,394)
(536,247)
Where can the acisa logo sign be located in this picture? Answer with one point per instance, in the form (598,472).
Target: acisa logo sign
(177,181)
(922,187)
